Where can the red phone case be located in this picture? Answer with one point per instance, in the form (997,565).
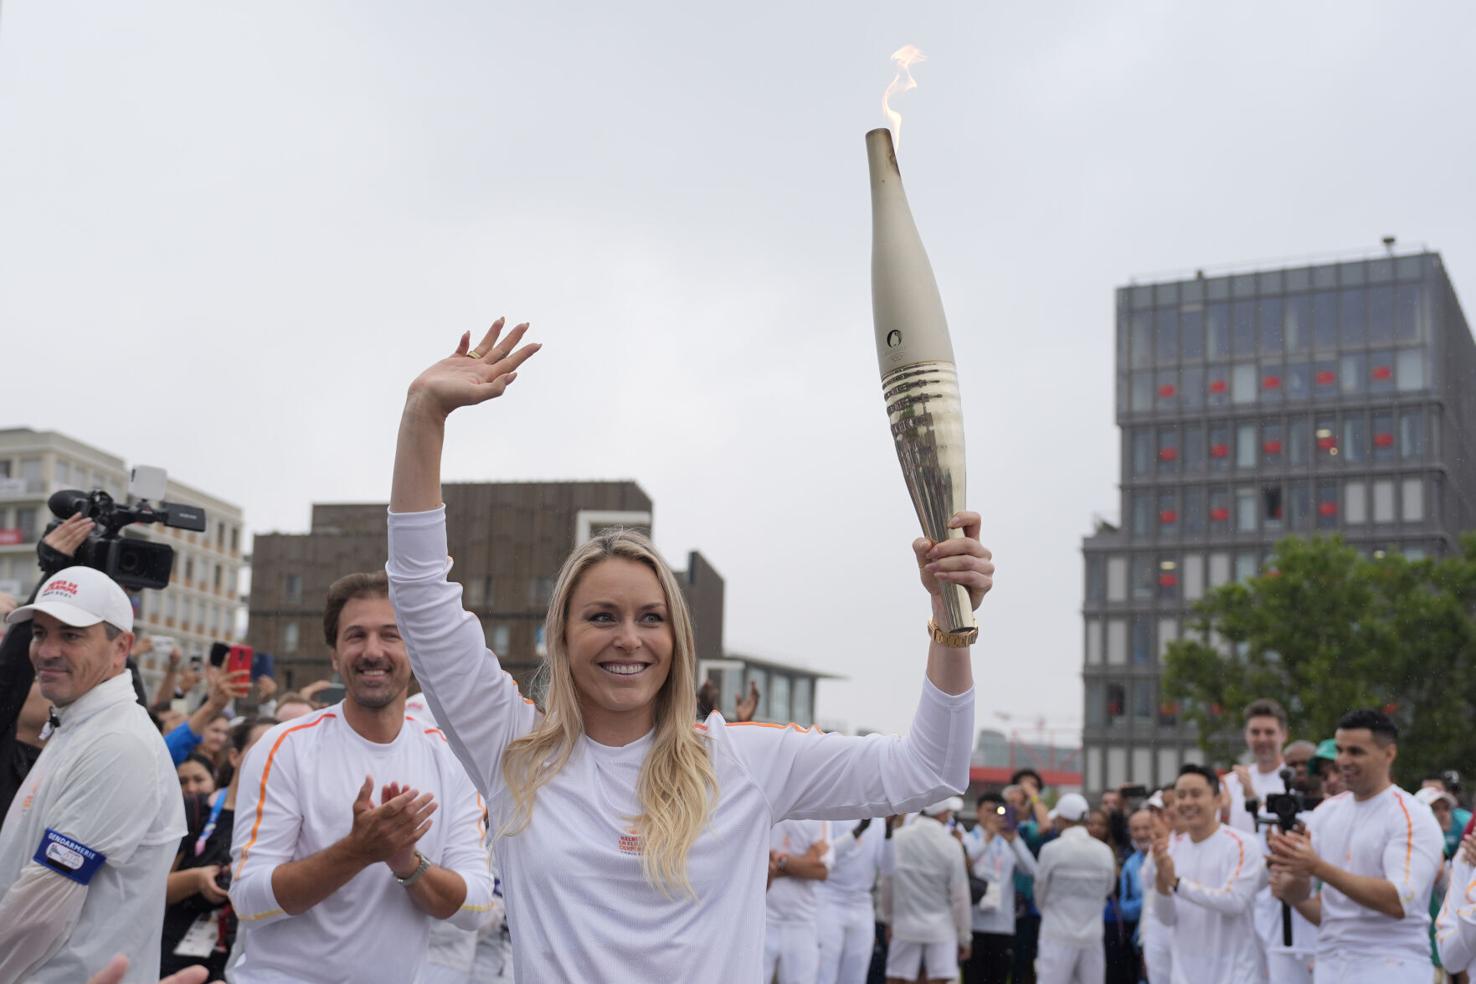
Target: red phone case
(240,659)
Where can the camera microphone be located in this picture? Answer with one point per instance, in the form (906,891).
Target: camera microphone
(67,503)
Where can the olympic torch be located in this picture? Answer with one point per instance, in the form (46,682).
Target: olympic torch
(919,379)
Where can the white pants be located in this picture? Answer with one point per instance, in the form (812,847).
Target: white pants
(907,958)
(1158,960)
(1347,968)
(792,949)
(1283,967)
(847,934)
(1062,963)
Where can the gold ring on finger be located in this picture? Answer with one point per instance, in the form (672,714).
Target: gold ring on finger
(473,354)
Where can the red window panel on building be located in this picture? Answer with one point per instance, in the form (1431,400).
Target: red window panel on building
(1326,377)
(1327,509)
(1271,447)
(1218,386)
(1168,454)
(1167,517)
(1271,383)
(1383,440)
(1219,450)
(1167,390)
(1382,372)
(1326,441)
(1168,580)
(1219,514)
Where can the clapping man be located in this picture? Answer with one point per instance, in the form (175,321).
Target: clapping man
(339,863)
(1374,851)
(1205,886)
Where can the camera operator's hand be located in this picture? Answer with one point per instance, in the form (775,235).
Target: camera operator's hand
(1292,852)
(70,535)
(1290,888)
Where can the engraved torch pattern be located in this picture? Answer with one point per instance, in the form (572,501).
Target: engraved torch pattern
(919,380)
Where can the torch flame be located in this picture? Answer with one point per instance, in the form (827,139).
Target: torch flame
(905,57)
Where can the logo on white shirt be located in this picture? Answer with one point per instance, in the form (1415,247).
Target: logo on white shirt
(630,842)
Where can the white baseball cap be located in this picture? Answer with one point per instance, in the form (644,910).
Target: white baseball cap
(1072,807)
(950,805)
(1429,795)
(79,597)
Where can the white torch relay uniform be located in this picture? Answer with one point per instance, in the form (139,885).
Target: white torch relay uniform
(847,914)
(1391,836)
(927,902)
(451,949)
(1211,914)
(298,786)
(574,873)
(1073,878)
(1455,926)
(791,933)
(1157,939)
(104,781)
(1284,964)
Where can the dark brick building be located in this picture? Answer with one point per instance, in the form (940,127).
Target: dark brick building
(507,540)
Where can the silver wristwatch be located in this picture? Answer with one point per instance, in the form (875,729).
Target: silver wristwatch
(414,876)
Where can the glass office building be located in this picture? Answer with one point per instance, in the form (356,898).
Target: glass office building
(1318,399)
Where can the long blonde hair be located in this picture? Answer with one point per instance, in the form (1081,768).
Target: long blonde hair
(677,785)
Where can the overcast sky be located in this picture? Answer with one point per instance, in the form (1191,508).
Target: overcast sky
(230,235)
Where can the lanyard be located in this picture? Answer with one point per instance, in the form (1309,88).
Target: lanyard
(215,809)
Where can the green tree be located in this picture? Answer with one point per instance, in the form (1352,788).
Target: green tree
(1325,630)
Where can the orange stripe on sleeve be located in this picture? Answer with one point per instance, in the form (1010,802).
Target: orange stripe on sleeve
(1408,835)
(266,772)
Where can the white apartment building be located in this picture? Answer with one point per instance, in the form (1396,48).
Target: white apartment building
(202,604)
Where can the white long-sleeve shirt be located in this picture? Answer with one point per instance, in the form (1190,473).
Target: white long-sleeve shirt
(296,797)
(104,782)
(1392,836)
(574,872)
(1073,878)
(995,860)
(793,900)
(929,898)
(859,863)
(1211,915)
(1455,926)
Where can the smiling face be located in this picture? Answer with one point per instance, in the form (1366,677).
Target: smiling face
(1097,825)
(1264,736)
(1363,762)
(619,641)
(369,654)
(70,661)
(1198,805)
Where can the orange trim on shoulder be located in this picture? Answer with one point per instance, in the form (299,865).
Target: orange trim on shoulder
(770,724)
(266,771)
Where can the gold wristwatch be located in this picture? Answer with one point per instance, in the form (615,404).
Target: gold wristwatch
(953,640)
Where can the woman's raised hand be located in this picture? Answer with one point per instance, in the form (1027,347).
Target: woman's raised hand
(472,375)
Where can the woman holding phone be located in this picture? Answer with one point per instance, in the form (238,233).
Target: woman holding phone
(633,845)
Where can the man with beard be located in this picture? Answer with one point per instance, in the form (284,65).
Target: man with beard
(331,882)
(1375,851)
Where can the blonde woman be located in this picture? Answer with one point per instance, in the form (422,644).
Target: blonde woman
(633,846)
